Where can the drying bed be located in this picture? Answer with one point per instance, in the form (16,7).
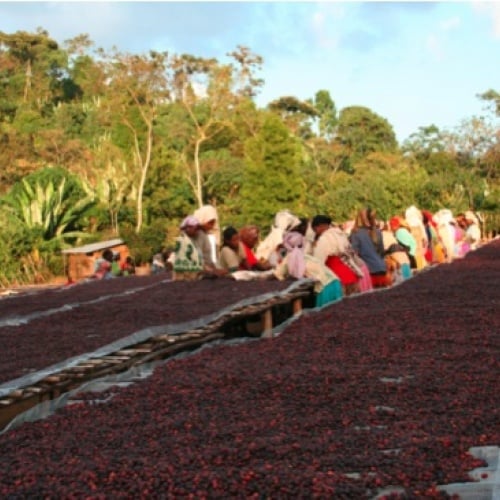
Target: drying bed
(383,392)
(40,329)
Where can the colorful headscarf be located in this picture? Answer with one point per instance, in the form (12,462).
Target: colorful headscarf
(294,245)
(190,221)
(396,222)
(430,218)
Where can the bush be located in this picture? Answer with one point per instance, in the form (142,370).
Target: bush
(149,241)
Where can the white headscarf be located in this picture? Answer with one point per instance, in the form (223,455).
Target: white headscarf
(414,216)
(469,215)
(205,214)
(284,220)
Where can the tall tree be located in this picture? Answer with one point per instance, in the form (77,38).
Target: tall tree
(328,119)
(471,143)
(33,70)
(204,88)
(211,92)
(38,65)
(493,97)
(364,132)
(296,114)
(137,87)
(424,142)
(271,180)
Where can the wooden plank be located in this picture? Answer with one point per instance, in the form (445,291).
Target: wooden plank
(53,379)
(16,394)
(115,361)
(35,390)
(143,350)
(95,362)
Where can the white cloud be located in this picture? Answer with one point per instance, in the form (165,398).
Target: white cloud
(320,24)
(451,23)
(492,10)
(433,45)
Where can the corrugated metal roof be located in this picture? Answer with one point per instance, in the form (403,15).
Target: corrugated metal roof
(94,247)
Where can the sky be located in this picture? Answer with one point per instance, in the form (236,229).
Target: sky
(414,63)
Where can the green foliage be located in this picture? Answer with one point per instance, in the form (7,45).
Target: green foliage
(364,132)
(49,206)
(328,119)
(428,140)
(143,245)
(388,183)
(149,148)
(493,97)
(28,121)
(271,179)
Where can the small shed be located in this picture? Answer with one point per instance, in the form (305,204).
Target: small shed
(79,261)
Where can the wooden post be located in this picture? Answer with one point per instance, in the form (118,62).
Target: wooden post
(267,323)
(297,306)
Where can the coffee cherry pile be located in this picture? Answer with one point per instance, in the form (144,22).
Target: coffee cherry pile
(384,392)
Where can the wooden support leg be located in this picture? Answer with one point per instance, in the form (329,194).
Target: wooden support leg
(267,323)
(297,306)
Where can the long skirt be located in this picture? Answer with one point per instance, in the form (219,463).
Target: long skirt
(379,280)
(366,282)
(405,271)
(330,293)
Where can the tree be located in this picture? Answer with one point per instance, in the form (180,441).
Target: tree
(473,143)
(362,131)
(210,93)
(424,142)
(113,182)
(493,97)
(137,88)
(296,114)
(37,66)
(271,180)
(327,112)
(204,89)
(32,74)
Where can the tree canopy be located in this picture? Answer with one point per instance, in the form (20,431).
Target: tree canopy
(103,143)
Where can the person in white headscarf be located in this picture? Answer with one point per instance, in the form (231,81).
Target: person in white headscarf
(208,238)
(192,256)
(297,264)
(186,260)
(415,221)
(267,249)
(446,231)
(473,232)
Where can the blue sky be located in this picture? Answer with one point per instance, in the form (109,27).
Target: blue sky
(414,63)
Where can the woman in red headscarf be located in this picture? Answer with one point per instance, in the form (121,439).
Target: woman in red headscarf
(404,237)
